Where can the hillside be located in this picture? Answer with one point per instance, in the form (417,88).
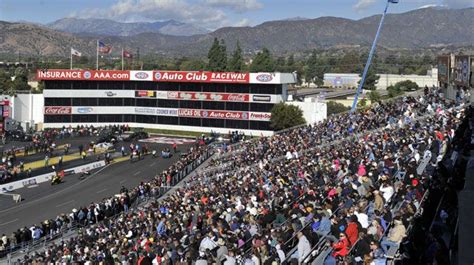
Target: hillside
(412,30)
(109,27)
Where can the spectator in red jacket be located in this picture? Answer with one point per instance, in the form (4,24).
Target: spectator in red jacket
(341,248)
(352,230)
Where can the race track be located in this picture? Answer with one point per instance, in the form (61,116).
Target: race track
(46,201)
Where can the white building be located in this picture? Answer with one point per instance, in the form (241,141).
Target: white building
(347,80)
(431,79)
(26,109)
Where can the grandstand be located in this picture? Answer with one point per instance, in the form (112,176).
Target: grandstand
(349,189)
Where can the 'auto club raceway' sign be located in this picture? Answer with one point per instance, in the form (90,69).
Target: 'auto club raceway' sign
(203,77)
(47,177)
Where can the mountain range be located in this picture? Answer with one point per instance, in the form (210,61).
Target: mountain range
(107,27)
(417,29)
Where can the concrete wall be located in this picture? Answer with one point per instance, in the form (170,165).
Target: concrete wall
(313,110)
(431,79)
(347,80)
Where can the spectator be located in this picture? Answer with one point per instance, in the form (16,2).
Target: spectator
(395,236)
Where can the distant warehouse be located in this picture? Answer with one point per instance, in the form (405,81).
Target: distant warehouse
(347,80)
(175,100)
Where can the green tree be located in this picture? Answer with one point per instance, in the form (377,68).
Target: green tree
(370,80)
(217,56)
(407,85)
(5,81)
(285,116)
(237,60)
(192,65)
(312,68)
(280,64)
(374,96)
(394,91)
(335,107)
(20,82)
(262,62)
(290,64)
(39,89)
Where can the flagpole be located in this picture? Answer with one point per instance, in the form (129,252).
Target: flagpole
(97,58)
(122,58)
(71,58)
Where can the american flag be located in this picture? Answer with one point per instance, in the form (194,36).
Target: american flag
(127,54)
(103,48)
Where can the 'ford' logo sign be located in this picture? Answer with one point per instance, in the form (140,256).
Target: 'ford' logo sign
(264,77)
(84,110)
(141,75)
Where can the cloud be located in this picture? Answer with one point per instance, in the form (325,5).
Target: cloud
(197,13)
(242,23)
(430,5)
(363,4)
(458,3)
(236,5)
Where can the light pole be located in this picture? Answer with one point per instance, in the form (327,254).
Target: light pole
(371,54)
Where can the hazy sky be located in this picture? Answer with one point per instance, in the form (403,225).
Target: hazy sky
(211,14)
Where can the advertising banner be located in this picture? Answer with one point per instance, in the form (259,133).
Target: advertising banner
(205,96)
(57,110)
(61,74)
(260,116)
(213,114)
(444,68)
(145,94)
(461,71)
(141,75)
(201,77)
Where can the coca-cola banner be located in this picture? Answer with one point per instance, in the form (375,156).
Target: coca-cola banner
(200,77)
(60,74)
(57,110)
(213,114)
(204,96)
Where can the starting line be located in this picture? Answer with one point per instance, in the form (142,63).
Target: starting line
(167,140)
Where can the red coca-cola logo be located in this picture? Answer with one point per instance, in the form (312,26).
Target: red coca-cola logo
(57,110)
(237,97)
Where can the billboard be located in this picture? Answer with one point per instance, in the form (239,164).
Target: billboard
(232,97)
(200,77)
(61,74)
(213,114)
(57,110)
(141,75)
(462,70)
(145,94)
(444,63)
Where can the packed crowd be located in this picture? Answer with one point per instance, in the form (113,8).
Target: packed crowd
(335,181)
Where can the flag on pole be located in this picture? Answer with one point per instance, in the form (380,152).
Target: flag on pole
(75,52)
(127,54)
(103,48)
